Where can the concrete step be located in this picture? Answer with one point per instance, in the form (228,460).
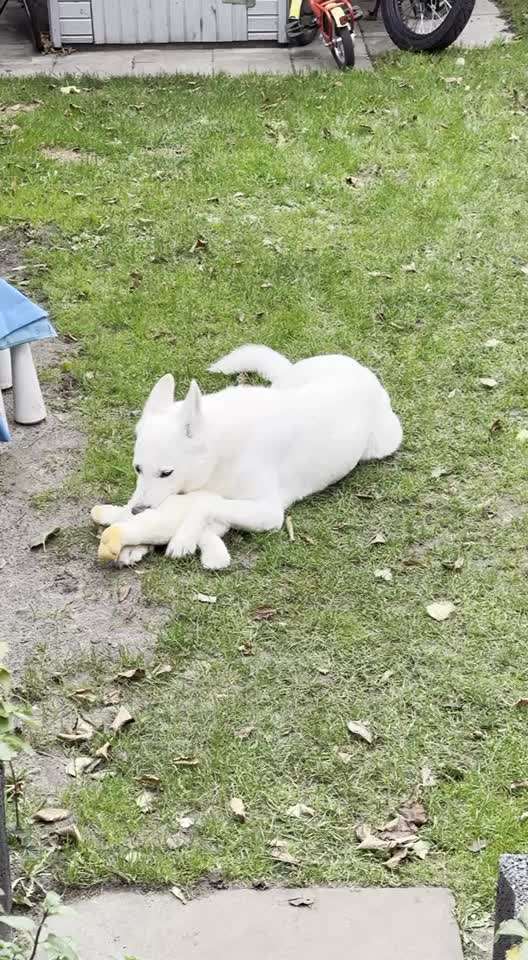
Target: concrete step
(238,924)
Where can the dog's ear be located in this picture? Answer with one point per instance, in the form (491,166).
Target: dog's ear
(192,410)
(161,395)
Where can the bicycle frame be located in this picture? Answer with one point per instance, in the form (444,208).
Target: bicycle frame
(329,14)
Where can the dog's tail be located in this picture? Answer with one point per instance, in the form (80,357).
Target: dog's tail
(253,358)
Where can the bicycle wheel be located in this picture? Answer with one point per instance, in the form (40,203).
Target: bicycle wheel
(425,24)
(342,47)
(303,29)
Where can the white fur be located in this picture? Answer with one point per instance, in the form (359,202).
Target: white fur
(156,528)
(259,449)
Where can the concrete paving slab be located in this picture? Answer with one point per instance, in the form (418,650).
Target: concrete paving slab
(482,31)
(317,57)
(342,924)
(240,60)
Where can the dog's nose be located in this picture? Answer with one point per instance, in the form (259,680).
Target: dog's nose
(139,508)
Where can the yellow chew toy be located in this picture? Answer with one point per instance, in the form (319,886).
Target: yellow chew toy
(111,544)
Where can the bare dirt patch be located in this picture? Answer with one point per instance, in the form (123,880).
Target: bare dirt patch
(67,155)
(56,601)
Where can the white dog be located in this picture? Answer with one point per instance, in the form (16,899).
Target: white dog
(258,449)
(130,536)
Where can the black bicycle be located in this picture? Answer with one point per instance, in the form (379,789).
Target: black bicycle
(420,25)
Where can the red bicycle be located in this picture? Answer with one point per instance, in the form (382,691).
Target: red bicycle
(421,25)
(333,19)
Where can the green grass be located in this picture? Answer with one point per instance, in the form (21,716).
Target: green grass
(289,261)
(518,14)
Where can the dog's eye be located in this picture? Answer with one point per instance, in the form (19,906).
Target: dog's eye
(137,468)
(166,473)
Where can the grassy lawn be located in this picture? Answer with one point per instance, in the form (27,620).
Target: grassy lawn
(300,259)
(516,10)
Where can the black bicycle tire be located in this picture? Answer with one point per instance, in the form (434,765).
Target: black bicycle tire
(438,39)
(348,48)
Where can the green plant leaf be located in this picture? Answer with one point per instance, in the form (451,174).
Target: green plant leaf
(54,906)
(512,928)
(59,948)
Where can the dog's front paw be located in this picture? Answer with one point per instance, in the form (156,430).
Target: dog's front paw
(181,545)
(111,544)
(104,514)
(215,556)
(129,556)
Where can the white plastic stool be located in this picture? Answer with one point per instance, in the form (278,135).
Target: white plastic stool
(6,380)
(28,403)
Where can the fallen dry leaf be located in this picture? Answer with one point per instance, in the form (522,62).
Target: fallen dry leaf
(397,858)
(409,267)
(488,382)
(85,694)
(264,613)
(145,801)
(369,841)
(441,610)
(245,732)
(385,677)
(66,833)
(238,809)
(361,730)
(43,538)
(149,780)
(204,598)
(123,593)
(420,849)
(134,673)
(186,823)
(289,529)
(67,90)
(161,670)
(300,810)
(428,778)
(345,758)
(518,785)
(112,698)
(284,856)
(521,702)
(455,80)
(51,814)
(81,732)
(377,538)
(179,894)
(414,812)
(79,765)
(121,720)
(104,751)
(453,564)
(301,902)
(384,573)
(199,244)
(491,343)
(478,846)
(186,761)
